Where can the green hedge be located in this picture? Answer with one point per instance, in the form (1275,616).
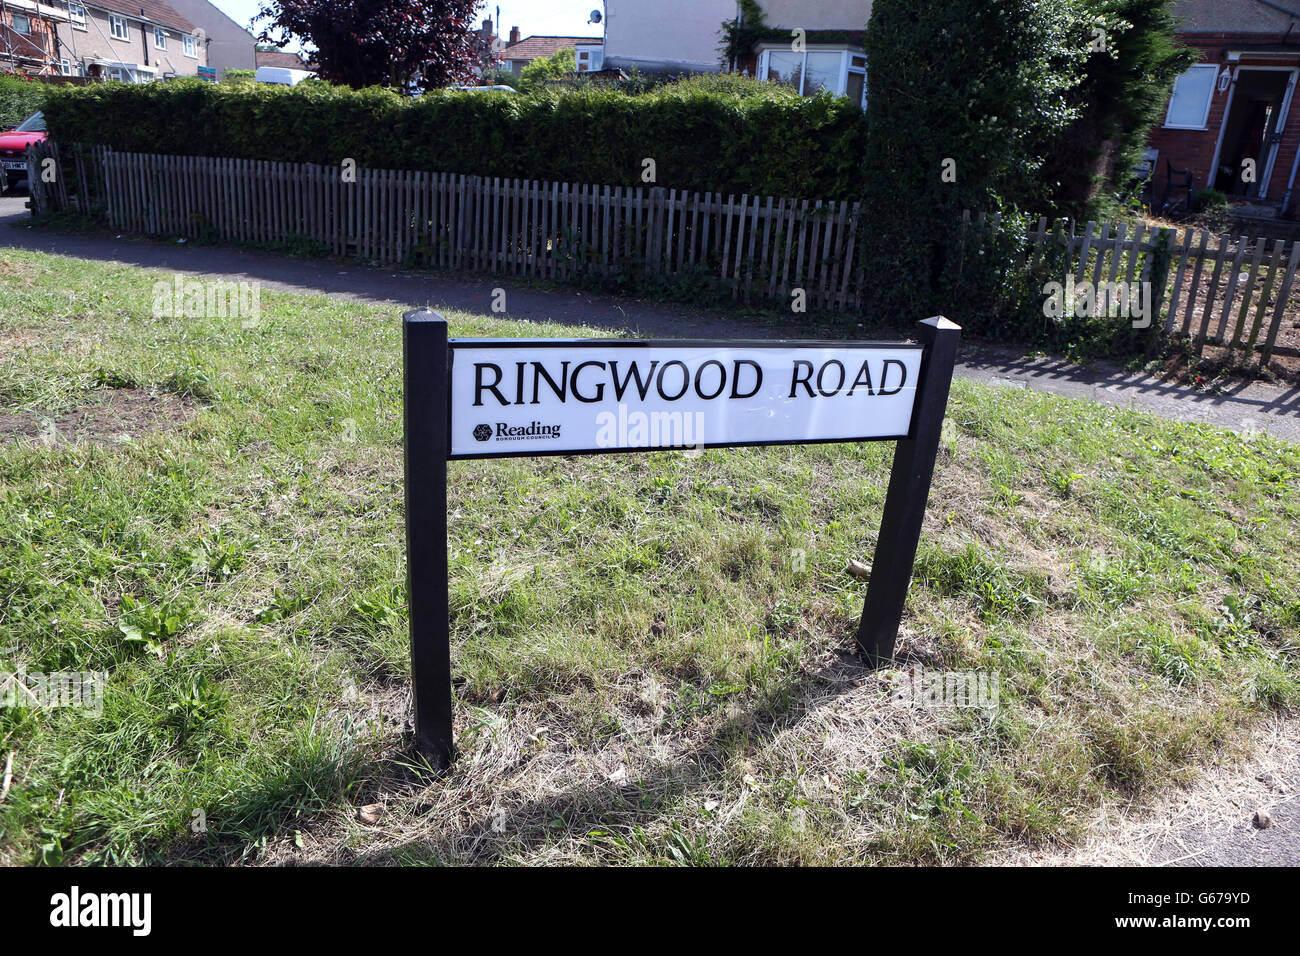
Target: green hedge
(725,134)
(19,99)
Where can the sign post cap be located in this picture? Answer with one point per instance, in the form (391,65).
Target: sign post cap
(423,315)
(941,324)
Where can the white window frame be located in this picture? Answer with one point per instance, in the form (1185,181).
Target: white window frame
(116,23)
(846,53)
(191,46)
(77,14)
(1209,100)
(13,23)
(595,55)
(65,68)
(159,38)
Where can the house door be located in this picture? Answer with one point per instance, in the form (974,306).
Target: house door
(1252,130)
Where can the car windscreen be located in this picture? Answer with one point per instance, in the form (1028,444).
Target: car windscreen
(33,124)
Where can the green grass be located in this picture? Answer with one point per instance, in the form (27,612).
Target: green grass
(653,653)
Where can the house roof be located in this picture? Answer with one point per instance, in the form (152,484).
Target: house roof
(155,11)
(281,58)
(1235,16)
(536,48)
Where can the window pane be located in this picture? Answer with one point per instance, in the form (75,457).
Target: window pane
(857,87)
(785,67)
(823,72)
(1191,97)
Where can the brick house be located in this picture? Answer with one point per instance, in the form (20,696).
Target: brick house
(1233,113)
(135,41)
(29,41)
(521,51)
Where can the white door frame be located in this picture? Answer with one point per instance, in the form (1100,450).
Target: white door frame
(1261,185)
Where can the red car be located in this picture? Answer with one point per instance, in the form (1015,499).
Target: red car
(13,147)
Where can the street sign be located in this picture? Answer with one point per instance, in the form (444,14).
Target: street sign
(491,398)
(557,397)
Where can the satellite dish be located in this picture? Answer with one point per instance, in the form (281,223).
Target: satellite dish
(595,17)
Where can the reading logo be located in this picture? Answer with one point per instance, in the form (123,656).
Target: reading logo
(483,432)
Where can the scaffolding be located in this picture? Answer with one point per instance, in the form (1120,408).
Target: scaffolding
(26,55)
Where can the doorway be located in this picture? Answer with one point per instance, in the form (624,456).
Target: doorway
(1252,129)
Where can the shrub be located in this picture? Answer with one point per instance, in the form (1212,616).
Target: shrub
(729,135)
(964,98)
(554,67)
(1133,59)
(1212,209)
(19,98)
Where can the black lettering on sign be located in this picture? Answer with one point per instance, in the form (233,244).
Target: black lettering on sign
(806,381)
(699,377)
(735,382)
(560,390)
(884,377)
(686,381)
(642,387)
(864,378)
(822,374)
(600,387)
(479,387)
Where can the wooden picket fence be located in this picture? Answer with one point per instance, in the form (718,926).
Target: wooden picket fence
(1223,291)
(1231,292)
(757,247)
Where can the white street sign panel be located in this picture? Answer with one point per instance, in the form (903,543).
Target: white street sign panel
(548,397)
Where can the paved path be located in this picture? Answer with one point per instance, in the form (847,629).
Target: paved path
(1243,407)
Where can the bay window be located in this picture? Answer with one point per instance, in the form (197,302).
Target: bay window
(838,70)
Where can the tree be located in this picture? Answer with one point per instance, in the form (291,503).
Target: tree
(406,44)
(554,67)
(963,100)
(1134,58)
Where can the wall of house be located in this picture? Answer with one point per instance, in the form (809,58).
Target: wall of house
(229,46)
(94,41)
(822,15)
(656,39)
(1194,150)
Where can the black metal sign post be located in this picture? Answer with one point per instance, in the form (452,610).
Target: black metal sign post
(909,489)
(427,414)
(433,436)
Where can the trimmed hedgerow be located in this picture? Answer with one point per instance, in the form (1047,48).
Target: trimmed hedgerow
(726,134)
(19,98)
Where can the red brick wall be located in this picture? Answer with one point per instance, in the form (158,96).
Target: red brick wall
(1194,149)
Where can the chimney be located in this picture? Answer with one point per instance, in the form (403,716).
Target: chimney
(514,35)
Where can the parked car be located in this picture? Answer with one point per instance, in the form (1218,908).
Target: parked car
(13,148)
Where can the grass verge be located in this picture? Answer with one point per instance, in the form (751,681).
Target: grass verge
(653,652)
